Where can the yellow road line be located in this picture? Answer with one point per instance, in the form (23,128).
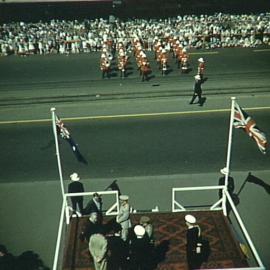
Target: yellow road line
(194,53)
(141,115)
(262,50)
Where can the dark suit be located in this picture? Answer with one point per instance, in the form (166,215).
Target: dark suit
(92,207)
(119,253)
(140,253)
(90,229)
(75,187)
(197,91)
(193,259)
(230,186)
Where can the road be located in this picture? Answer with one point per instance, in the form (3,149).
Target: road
(76,78)
(166,143)
(128,146)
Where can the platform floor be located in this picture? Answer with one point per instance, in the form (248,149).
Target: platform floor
(170,235)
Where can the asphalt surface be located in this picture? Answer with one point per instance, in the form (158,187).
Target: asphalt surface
(75,78)
(180,145)
(131,146)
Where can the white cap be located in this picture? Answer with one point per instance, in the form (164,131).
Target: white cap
(224,171)
(190,219)
(197,77)
(139,230)
(123,197)
(201,60)
(74,177)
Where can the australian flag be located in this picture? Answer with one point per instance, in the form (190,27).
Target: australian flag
(63,132)
(244,121)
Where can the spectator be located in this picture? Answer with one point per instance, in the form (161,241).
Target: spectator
(7,260)
(205,31)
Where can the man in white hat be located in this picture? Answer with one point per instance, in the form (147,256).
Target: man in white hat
(197,90)
(221,182)
(123,216)
(75,187)
(192,238)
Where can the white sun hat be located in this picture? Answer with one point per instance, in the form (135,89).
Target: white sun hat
(74,177)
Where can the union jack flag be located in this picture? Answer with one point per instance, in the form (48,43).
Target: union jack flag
(61,129)
(244,121)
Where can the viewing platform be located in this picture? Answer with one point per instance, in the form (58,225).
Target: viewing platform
(170,239)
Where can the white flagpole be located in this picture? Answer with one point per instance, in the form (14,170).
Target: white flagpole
(228,155)
(57,152)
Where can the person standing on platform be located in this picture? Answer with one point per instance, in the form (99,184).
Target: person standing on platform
(192,245)
(140,251)
(76,187)
(197,90)
(123,216)
(221,182)
(91,227)
(95,205)
(146,223)
(98,247)
(118,250)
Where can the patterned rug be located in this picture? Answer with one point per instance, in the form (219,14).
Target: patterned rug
(170,236)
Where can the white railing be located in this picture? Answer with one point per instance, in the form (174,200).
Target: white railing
(214,207)
(65,216)
(181,208)
(109,212)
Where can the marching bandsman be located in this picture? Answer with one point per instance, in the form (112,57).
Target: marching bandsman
(105,66)
(179,55)
(164,62)
(201,67)
(145,70)
(184,61)
(122,62)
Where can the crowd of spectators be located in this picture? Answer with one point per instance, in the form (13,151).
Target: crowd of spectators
(204,31)
(28,260)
